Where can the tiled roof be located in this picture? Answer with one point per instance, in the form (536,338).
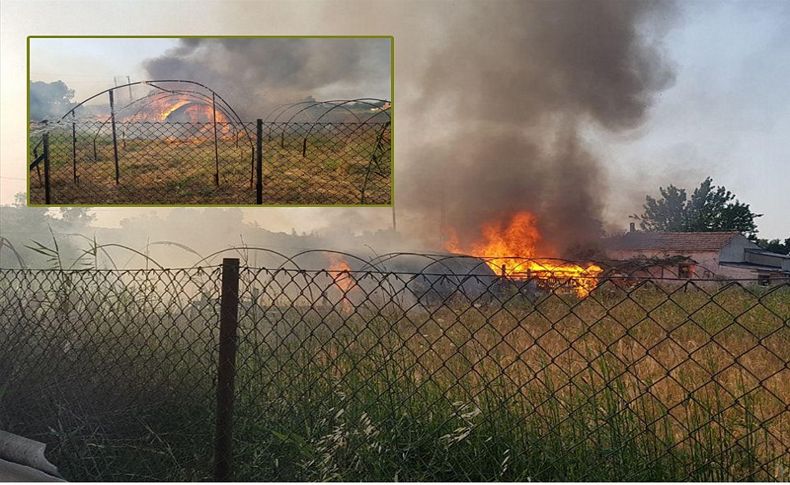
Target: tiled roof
(671,241)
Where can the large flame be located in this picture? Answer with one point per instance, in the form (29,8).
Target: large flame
(160,109)
(510,247)
(183,119)
(166,110)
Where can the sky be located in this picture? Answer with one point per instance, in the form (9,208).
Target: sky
(90,65)
(86,65)
(726,115)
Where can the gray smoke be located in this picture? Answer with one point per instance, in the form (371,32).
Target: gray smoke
(49,101)
(495,102)
(510,106)
(255,75)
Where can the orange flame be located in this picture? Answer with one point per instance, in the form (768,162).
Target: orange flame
(340,272)
(341,275)
(520,238)
(195,112)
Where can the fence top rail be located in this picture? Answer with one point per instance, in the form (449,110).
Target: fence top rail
(195,269)
(432,264)
(404,274)
(41,127)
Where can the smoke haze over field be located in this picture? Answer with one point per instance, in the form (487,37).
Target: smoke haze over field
(258,74)
(572,109)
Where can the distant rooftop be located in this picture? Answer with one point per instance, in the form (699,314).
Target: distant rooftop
(672,241)
(768,253)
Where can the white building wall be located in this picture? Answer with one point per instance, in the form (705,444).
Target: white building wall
(734,251)
(737,273)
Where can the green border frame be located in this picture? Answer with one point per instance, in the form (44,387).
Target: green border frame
(392,114)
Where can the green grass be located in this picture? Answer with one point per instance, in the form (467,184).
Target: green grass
(618,386)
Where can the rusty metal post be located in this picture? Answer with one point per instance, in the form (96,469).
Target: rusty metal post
(74,145)
(259,163)
(47,195)
(226,369)
(216,148)
(114,140)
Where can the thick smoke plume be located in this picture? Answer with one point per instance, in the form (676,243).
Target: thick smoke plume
(509,108)
(495,107)
(255,75)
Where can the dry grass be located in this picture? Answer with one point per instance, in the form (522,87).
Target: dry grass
(151,172)
(336,174)
(182,171)
(638,386)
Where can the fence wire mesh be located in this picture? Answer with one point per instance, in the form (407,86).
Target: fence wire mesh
(145,162)
(157,163)
(113,370)
(355,371)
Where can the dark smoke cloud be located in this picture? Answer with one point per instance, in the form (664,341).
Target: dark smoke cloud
(510,90)
(257,74)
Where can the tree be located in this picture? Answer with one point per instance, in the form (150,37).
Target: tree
(77,217)
(775,245)
(710,208)
(49,100)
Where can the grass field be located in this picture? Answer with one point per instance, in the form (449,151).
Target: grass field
(652,383)
(179,167)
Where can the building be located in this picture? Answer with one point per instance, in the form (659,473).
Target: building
(698,255)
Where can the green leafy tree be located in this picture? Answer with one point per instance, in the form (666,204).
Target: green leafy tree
(775,245)
(710,208)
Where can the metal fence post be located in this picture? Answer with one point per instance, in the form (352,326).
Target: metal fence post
(228,321)
(216,148)
(47,198)
(74,144)
(114,140)
(259,163)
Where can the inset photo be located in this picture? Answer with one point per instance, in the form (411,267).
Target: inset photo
(200,121)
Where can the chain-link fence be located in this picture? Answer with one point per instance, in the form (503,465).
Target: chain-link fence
(327,163)
(393,370)
(96,162)
(160,163)
(114,370)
